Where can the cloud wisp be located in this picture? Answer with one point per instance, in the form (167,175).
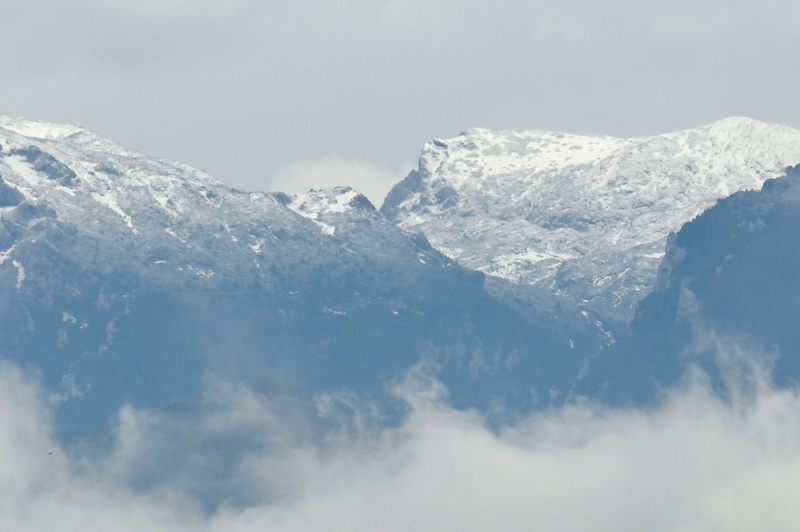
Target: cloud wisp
(239,459)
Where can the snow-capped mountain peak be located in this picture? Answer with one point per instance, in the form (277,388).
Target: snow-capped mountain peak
(314,204)
(585,217)
(38,130)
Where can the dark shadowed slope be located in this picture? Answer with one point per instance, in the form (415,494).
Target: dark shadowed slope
(733,276)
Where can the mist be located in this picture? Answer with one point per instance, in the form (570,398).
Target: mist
(242,459)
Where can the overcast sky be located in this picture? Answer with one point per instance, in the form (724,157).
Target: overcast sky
(292,93)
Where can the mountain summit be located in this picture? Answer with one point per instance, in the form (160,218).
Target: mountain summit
(583,217)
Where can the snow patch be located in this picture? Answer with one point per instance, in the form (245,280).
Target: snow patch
(20,167)
(257,246)
(325,228)
(314,203)
(110,200)
(228,230)
(206,274)
(173,234)
(20,273)
(5,255)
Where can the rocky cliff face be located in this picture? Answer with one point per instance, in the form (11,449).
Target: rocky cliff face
(585,218)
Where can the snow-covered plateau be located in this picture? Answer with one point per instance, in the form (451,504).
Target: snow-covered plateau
(583,217)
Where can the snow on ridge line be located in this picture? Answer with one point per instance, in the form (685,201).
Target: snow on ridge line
(71,144)
(720,127)
(332,199)
(112,176)
(314,203)
(523,163)
(38,130)
(584,216)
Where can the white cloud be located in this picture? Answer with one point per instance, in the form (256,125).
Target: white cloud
(694,462)
(366,178)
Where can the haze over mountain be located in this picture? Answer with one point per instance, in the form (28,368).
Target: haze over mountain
(128,279)
(585,218)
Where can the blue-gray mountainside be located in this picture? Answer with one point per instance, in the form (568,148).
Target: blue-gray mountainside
(730,278)
(128,279)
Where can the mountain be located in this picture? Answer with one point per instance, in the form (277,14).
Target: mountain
(128,279)
(583,218)
(729,284)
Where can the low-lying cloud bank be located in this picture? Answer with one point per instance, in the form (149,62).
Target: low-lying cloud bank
(239,460)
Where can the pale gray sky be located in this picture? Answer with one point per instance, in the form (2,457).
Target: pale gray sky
(293,93)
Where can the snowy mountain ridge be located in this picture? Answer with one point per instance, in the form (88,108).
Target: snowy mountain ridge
(584,217)
(98,185)
(128,279)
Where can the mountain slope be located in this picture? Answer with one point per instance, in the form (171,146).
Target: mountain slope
(730,278)
(585,218)
(130,279)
